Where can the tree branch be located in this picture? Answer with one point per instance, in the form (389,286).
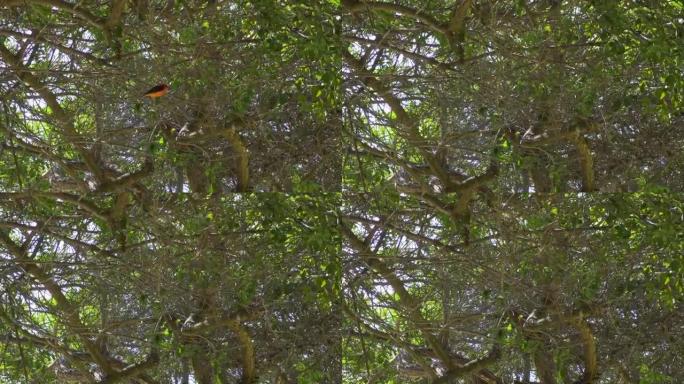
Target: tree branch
(455,29)
(74,199)
(242,162)
(456,25)
(248,353)
(115,14)
(471,366)
(590,359)
(586,161)
(70,313)
(126,180)
(133,370)
(409,54)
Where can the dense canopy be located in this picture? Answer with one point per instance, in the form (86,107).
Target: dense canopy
(342,191)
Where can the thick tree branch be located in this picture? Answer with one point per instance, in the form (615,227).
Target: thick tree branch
(74,9)
(575,136)
(242,157)
(456,23)
(471,366)
(127,180)
(234,323)
(589,345)
(404,52)
(115,14)
(248,352)
(544,364)
(586,161)
(455,29)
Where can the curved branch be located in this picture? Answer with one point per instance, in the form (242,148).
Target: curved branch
(74,199)
(233,322)
(380,335)
(66,239)
(126,180)
(404,52)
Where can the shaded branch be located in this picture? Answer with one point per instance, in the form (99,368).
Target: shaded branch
(455,29)
(209,324)
(586,161)
(408,234)
(373,332)
(73,242)
(234,323)
(404,52)
(456,25)
(575,136)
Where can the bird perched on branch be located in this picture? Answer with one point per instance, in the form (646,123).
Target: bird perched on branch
(157,91)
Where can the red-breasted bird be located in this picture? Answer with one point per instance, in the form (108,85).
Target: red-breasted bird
(157,91)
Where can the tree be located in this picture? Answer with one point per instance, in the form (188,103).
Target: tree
(469,122)
(463,191)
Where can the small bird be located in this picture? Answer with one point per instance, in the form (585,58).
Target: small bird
(157,91)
